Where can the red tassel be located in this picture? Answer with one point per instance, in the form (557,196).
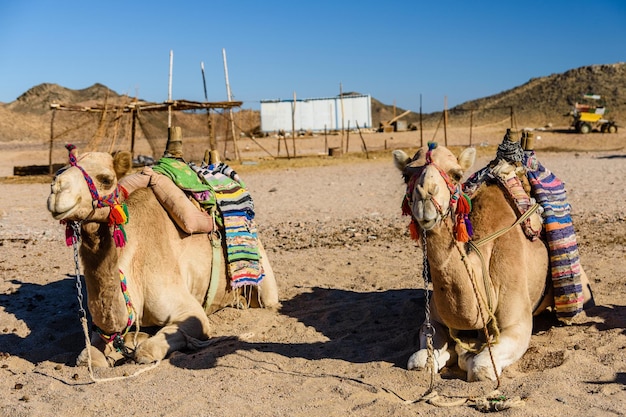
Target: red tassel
(70,237)
(413,231)
(406,209)
(463,205)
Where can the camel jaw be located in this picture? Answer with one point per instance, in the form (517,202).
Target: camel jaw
(63,209)
(428,224)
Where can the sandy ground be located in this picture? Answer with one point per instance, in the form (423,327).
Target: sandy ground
(352,295)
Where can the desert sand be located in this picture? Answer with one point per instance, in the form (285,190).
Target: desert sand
(352,297)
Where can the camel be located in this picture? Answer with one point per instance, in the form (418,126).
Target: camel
(464,328)
(167,272)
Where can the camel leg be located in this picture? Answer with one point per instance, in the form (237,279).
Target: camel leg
(442,353)
(513,343)
(191,323)
(587,293)
(268,287)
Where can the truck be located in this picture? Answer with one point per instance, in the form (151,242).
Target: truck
(589,115)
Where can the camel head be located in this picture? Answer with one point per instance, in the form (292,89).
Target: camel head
(86,183)
(433,178)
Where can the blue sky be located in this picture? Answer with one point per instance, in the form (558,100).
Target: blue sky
(393,50)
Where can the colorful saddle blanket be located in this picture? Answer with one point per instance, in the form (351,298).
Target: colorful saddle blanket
(219,185)
(549,192)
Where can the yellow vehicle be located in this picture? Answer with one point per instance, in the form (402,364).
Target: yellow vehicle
(589,115)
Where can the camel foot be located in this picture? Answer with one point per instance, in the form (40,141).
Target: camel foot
(480,368)
(98,358)
(419,360)
(149,353)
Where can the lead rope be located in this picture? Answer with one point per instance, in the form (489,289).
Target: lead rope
(75,229)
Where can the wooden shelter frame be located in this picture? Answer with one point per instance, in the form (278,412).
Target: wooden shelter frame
(136,107)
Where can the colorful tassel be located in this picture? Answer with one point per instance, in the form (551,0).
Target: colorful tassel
(413,231)
(70,236)
(463,229)
(119,238)
(118,214)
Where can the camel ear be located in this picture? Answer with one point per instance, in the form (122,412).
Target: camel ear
(122,163)
(467,158)
(400,159)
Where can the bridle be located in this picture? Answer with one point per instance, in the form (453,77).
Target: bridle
(459,203)
(118,215)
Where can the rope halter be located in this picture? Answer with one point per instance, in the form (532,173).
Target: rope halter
(118,215)
(460,203)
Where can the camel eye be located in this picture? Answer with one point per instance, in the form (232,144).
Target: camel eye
(105,180)
(456,175)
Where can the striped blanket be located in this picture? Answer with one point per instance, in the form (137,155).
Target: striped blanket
(237,213)
(549,192)
(565,268)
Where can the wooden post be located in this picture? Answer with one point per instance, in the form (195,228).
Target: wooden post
(169,100)
(445,120)
(133,115)
(212,144)
(54,112)
(421,125)
(471,123)
(348,137)
(293,124)
(230,110)
(367,155)
(341,102)
(325,141)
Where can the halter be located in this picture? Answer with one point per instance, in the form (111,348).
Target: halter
(459,201)
(118,215)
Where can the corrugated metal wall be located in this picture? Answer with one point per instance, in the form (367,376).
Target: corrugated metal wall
(317,114)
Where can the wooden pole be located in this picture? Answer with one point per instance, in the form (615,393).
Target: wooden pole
(444,118)
(230,110)
(133,128)
(325,141)
(421,125)
(54,112)
(293,124)
(348,137)
(212,144)
(471,124)
(341,102)
(367,155)
(169,100)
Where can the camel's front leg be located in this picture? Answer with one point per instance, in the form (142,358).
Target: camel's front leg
(189,325)
(511,346)
(442,353)
(269,287)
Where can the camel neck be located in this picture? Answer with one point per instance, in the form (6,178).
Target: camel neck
(100,263)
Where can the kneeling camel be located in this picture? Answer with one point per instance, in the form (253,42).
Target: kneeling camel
(515,269)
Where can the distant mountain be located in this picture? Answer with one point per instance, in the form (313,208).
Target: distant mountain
(37,99)
(538,102)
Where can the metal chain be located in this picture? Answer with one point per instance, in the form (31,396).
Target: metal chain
(427,328)
(79,286)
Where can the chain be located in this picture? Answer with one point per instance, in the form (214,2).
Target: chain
(79,286)
(427,328)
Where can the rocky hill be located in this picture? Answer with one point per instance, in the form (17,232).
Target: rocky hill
(538,102)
